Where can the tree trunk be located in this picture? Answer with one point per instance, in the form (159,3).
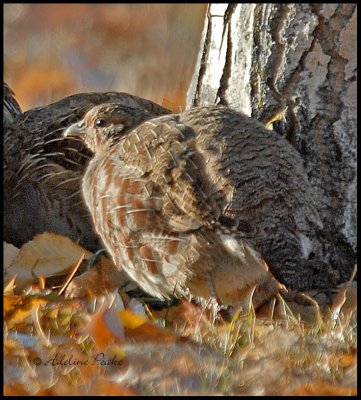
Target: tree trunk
(293,67)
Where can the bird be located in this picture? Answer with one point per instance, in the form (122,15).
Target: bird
(172,199)
(11,107)
(43,170)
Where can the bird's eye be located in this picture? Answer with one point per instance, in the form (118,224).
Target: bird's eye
(100,122)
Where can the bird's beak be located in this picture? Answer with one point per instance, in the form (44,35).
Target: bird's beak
(75,130)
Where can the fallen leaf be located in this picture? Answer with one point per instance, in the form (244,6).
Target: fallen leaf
(141,330)
(131,320)
(104,387)
(10,287)
(348,359)
(105,327)
(47,255)
(322,389)
(18,308)
(103,278)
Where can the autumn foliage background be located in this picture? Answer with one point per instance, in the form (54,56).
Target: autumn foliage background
(55,50)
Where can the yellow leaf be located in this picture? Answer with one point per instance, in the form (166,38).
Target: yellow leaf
(18,308)
(131,320)
(9,288)
(10,302)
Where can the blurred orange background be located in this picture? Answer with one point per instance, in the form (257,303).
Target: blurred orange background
(55,50)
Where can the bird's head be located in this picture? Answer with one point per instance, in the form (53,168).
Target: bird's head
(102,125)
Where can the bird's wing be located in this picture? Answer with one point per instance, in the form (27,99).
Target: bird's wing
(164,151)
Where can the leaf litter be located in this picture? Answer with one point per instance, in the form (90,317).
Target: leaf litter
(96,339)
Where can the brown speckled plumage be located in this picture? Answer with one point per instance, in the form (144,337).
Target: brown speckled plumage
(174,199)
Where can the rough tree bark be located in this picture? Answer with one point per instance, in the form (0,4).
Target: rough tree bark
(293,66)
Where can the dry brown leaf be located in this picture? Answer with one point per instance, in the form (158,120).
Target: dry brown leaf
(185,311)
(102,278)
(47,255)
(186,315)
(348,359)
(103,387)
(104,327)
(322,389)
(97,387)
(15,389)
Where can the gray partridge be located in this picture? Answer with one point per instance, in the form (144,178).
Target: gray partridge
(43,170)
(167,198)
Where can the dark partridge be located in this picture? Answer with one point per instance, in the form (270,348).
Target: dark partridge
(43,170)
